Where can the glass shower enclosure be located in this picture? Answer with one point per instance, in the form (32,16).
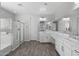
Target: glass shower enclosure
(5,35)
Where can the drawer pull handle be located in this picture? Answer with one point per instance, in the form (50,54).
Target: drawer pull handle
(7,32)
(76,51)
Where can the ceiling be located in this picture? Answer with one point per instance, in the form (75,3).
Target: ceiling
(58,9)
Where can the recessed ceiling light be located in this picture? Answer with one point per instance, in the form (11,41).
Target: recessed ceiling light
(20,4)
(45,3)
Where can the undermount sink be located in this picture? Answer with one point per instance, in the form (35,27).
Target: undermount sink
(74,38)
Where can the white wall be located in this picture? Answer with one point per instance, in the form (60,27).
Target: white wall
(30,26)
(34,27)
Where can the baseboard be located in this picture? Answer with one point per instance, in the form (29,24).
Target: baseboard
(5,51)
(16,47)
(46,42)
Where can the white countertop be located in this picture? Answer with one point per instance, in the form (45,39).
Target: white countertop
(62,36)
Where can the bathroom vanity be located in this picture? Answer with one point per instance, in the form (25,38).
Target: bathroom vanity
(67,36)
(64,44)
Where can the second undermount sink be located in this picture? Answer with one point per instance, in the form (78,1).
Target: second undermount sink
(74,38)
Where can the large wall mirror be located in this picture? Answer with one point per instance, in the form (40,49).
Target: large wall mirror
(67,23)
(64,25)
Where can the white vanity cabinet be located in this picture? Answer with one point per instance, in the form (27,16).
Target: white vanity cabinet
(62,45)
(67,51)
(67,47)
(42,36)
(59,47)
(63,48)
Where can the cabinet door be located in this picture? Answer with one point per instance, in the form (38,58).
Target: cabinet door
(48,38)
(44,37)
(67,49)
(52,40)
(59,47)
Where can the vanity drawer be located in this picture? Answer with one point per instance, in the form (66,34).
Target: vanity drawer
(75,51)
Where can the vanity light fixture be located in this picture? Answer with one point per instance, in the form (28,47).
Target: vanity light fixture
(66,19)
(42,19)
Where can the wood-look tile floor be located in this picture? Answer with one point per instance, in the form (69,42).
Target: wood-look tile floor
(34,48)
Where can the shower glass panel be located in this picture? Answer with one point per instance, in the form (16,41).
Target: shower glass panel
(5,33)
